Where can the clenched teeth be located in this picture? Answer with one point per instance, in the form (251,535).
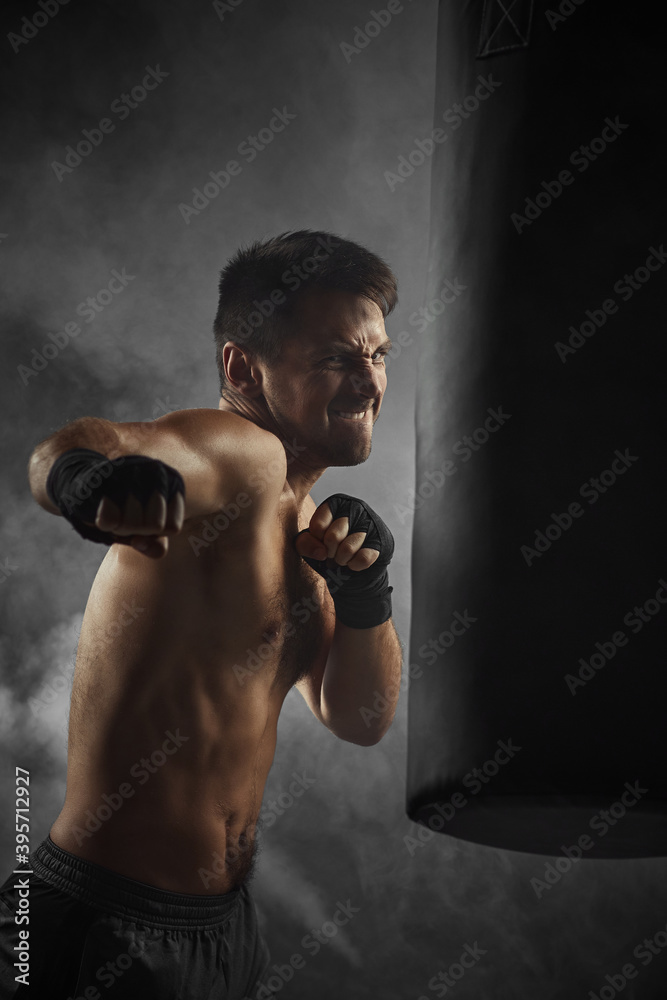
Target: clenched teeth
(357,415)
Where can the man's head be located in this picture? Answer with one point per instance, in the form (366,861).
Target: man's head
(300,340)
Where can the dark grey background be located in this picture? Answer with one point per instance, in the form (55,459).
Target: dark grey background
(150,351)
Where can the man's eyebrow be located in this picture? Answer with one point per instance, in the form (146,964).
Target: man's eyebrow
(340,347)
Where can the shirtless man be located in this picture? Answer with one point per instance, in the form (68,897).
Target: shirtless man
(172,726)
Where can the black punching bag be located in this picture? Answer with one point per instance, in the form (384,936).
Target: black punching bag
(538,671)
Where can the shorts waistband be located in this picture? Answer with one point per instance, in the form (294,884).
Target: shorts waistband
(100,887)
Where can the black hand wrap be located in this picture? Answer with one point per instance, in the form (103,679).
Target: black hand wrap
(80,478)
(362,599)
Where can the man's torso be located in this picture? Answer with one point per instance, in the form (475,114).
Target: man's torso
(182,669)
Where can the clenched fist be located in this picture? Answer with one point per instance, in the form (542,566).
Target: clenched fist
(145,527)
(329,537)
(349,533)
(132,500)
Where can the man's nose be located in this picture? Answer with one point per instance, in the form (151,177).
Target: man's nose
(367,380)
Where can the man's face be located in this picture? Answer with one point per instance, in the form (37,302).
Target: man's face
(326,388)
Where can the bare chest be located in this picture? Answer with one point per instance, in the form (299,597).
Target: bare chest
(251,607)
(300,620)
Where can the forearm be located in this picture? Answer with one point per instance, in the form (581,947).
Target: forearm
(361,682)
(86,432)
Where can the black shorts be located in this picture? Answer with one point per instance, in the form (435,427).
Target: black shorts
(94,934)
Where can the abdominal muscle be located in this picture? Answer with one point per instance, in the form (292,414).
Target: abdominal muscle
(171,735)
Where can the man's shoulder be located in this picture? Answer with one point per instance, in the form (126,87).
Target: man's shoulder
(231,438)
(241,456)
(210,420)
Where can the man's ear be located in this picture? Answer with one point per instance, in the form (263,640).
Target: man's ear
(242,372)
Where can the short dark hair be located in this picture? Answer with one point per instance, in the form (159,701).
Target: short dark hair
(261,284)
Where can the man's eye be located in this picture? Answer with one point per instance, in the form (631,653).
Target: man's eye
(339,359)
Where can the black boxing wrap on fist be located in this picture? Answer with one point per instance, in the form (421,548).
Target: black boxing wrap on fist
(80,478)
(362,598)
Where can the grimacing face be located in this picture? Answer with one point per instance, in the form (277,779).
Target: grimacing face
(325,389)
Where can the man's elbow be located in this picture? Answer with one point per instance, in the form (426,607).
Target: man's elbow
(39,464)
(364,735)
(363,740)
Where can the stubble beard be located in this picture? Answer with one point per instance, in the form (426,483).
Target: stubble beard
(322,452)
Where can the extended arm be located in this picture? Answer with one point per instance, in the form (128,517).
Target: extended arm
(209,448)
